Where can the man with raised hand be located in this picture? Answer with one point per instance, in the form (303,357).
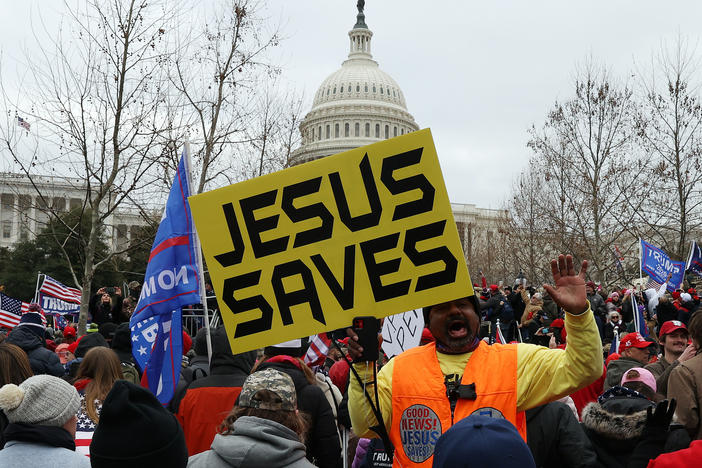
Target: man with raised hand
(425,390)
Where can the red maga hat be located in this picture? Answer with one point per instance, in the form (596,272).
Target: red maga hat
(670,326)
(633,340)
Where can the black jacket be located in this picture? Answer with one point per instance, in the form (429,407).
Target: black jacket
(41,360)
(323,447)
(556,439)
(494,307)
(609,331)
(597,305)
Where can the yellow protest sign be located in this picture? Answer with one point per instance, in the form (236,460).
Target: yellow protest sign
(304,250)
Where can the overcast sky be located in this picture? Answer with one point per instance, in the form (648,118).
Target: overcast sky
(479,74)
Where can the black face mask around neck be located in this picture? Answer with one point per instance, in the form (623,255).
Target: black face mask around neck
(45,435)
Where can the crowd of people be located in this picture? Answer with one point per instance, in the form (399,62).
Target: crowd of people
(559,376)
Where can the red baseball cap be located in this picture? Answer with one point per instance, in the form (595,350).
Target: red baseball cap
(558,323)
(494,287)
(670,326)
(633,340)
(69,331)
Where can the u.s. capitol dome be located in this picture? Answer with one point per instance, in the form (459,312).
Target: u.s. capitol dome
(356,105)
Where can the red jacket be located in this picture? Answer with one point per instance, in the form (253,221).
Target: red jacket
(685,457)
(203,408)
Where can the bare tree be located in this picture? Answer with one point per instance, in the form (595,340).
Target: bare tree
(219,72)
(669,131)
(95,98)
(530,225)
(583,147)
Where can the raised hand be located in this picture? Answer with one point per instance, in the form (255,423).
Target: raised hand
(659,420)
(569,291)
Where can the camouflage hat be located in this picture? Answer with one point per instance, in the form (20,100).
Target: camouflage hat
(275,381)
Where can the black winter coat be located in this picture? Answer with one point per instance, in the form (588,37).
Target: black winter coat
(41,360)
(323,447)
(556,439)
(616,429)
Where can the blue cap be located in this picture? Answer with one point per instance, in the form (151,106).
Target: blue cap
(482,441)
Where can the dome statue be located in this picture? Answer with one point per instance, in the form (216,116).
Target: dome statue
(356,105)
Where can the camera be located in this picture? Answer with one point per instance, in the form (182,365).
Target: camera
(110,290)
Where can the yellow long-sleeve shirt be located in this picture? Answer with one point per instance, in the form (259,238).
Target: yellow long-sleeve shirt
(543,374)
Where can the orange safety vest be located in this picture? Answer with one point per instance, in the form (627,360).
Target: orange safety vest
(421,411)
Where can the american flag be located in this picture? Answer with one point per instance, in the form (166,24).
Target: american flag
(53,288)
(11,310)
(85,427)
(22,123)
(60,321)
(317,352)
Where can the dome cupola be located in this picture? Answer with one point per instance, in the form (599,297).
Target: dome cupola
(356,105)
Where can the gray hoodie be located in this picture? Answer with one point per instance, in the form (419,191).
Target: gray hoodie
(255,442)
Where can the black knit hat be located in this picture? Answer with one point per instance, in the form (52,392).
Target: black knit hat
(89,341)
(473,298)
(122,343)
(136,430)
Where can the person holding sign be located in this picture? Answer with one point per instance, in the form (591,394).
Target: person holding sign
(425,390)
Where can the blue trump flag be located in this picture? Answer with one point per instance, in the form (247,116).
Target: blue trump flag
(171,282)
(658,265)
(694,263)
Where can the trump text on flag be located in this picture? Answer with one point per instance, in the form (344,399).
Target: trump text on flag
(365,232)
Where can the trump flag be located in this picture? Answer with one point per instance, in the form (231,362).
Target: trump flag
(656,263)
(171,282)
(694,262)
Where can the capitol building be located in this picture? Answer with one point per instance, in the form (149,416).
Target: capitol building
(360,104)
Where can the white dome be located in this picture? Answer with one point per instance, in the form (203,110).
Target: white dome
(356,105)
(359,79)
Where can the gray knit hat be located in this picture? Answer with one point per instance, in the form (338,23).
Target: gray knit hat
(43,400)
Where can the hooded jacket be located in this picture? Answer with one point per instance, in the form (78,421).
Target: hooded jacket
(615,427)
(208,400)
(323,446)
(254,443)
(41,360)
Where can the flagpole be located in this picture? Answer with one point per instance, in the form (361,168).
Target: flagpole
(36,289)
(198,255)
(640,262)
(689,257)
(635,311)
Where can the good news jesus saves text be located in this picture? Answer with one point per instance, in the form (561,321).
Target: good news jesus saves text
(341,284)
